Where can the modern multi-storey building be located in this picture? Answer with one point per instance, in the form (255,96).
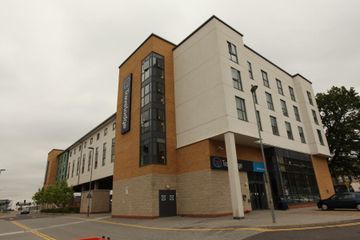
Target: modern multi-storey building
(187,131)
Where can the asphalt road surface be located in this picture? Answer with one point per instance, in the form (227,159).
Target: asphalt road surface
(66,227)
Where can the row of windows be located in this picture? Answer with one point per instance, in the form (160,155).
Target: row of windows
(237,79)
(241,112)
(80,163)
(81,146)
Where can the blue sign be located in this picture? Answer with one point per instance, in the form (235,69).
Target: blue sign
(258,167)
(126,105)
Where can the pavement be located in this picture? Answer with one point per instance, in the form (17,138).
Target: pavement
(255,225)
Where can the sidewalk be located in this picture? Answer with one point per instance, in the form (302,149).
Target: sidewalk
(261,218)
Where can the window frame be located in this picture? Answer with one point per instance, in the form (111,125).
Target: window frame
(241,108)
(269,101)
(237,83)
(275,128)
(233,55)
(279,87)
(265,79)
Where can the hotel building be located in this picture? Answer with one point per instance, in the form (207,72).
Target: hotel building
(185,139)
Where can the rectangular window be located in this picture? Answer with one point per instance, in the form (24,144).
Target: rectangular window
(258,120)
(265,78)
(104,154)
(91,141)
(89,162)
(97,136)
(315,117)
(72,170)
(232,52)
(105,131)
(284,108)
(113,150)
(274,125)
(301,134)
(309,97)
(269,101)
(236,77)
(83,164)
(279,87)
(251,76)
(320,137)
(68,172)
(113,126)
(241,109)
(292,94)
(78,166)
(289,131)
(96,157)
(297,114)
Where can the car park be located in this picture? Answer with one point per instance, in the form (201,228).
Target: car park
(341,200)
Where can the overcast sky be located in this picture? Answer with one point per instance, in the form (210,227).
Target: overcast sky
(59,61)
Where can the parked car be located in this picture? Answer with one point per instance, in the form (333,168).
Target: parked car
(341,200)
(25,210)
(340,188)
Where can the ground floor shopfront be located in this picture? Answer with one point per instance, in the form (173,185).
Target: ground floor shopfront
(201,185)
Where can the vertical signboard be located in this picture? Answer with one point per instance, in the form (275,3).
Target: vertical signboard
(126,105)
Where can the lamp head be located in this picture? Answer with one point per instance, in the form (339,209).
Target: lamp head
(253,88)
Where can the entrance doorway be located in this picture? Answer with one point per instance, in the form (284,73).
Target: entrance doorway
(257,191)
(167,203)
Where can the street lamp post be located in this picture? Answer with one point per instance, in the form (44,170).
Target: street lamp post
(89,194)
(267,179)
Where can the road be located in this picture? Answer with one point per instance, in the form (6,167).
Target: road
(67,227)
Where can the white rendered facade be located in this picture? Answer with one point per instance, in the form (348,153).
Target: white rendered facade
(203,81)
(80,155)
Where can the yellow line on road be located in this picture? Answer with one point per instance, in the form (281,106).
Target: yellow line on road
(33,231)
(257,229)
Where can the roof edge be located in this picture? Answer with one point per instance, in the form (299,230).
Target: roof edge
(298,74)
(202,25)
(151,35)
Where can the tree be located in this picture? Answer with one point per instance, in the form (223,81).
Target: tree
(60,195)
(340,113)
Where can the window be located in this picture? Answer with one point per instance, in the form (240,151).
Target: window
(89,162)
(83,164)
(241,108)
(113,150)
(258,120)
(274,125)
(236,77)
(284,108)
(251,76)
(74,150)
(78,166)
(301,134)
(68,172)
(72,170)
(97,136)
(315,117)
(232,52)
(296,112)
(70,153)
(289,131)
(292,94)
(309,97)
(320,137)
(113,126)
(279,87)
(105,131)
(91,141)
(104,154)
(85,144)
(152,113)
(96,157)
(269,101)
(265,78)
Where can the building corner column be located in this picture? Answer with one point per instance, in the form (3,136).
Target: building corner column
(234,179)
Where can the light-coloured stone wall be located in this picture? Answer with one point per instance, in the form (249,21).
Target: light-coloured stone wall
(139,196)
(207,193)
(100,201)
